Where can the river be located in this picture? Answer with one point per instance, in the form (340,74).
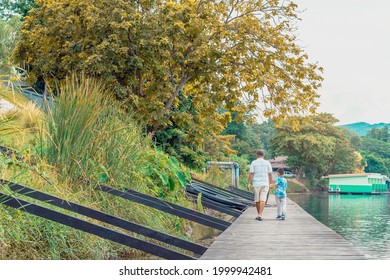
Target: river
(363,220)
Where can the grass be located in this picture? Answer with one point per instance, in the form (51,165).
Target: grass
(295,186)
(88,140)
(18,128)
(13,96)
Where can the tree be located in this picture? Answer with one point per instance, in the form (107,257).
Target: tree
(8,34)
(267,131)
(318,148)
(9,8)
(375,164)
(225,56)
(381,134)
(376,153)
(250,137)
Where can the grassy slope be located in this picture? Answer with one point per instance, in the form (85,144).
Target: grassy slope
(25,236)
(17,126)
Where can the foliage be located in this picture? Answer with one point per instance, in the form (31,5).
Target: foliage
(9,8)
(318,148)
(172,141)
(267,131)
(218,148)
(165,174)
(180,142)
(116,153)
(71,137)
(25,236)
(216,176)
(375,164)
(94,142)
(381,134)
(199,203)
(374,147)
(376,152)
(249,137)
(18,127)
(355,139)
(8,34)
(160,56)
(30,116)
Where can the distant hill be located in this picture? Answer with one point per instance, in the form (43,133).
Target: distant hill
(361,128)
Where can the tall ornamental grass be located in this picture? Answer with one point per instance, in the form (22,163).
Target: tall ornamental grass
(88,137)
(91,140)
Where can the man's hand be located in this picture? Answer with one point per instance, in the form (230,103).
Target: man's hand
(250,180)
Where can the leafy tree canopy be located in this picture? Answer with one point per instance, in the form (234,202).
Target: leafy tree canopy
(375,164)
(223,56)
(8,34)
(249,137)
(318,148)
(9,8)
(376,151)
(381,134)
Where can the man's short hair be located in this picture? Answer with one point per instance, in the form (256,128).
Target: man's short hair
(260,153)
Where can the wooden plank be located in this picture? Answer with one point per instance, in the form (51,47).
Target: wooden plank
(299,237)
(103,217)
(91,228)
(10,153)
(221,225)
(233,191)
(208,203)
(178,207)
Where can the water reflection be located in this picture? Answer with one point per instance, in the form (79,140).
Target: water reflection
(363,220)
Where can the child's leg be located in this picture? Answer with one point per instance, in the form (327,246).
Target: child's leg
(278,205)
(283,204)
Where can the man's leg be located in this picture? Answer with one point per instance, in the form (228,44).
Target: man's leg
(256,191)
(263,197)
(258,209)
(261,208)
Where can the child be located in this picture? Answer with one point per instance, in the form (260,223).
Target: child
(280,194)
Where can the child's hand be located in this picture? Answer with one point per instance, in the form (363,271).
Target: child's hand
(271,186)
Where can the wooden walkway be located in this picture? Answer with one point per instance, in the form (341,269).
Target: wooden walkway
(299,237)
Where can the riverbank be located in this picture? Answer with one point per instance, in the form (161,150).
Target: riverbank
(297,186)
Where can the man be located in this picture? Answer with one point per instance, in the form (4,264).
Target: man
(261,175)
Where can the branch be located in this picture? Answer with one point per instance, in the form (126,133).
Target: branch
(184,79)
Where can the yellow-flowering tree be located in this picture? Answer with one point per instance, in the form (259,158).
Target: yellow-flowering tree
(163,57)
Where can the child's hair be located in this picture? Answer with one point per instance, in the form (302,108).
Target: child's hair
(280,171)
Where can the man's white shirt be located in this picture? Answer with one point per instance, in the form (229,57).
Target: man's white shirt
(260,167)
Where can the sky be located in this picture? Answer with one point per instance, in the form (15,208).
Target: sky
(350,39)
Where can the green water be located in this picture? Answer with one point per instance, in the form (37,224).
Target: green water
(363,220)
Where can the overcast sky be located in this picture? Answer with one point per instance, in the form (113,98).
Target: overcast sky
(350,39)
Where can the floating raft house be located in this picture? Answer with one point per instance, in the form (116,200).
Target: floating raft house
(365,183)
